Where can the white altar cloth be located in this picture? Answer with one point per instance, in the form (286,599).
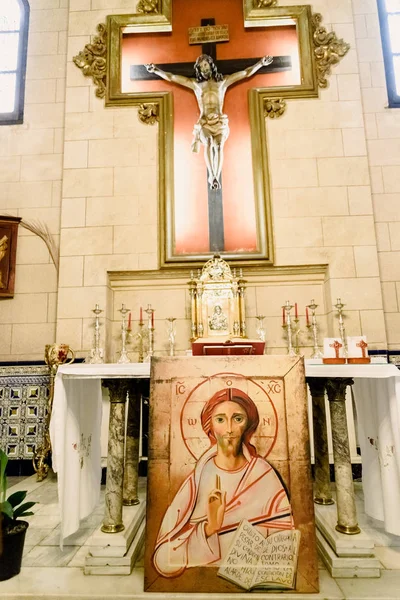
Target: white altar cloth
(75,435)
(377,395)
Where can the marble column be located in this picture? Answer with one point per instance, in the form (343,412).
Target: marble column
(112,522)
(132,444)
(322,488)
(345,497)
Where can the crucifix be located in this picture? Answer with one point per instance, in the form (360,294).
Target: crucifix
(300,47)
(363,345)
(336,346)
(211,129)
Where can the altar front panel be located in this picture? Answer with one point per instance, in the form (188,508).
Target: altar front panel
(184,397)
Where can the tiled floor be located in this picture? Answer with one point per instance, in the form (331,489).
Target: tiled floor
(51,574)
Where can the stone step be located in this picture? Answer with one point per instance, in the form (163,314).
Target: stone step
(342,544)
(347,567)
(117,565)
(117,544)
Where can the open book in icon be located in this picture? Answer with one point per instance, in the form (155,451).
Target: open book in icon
(254,561)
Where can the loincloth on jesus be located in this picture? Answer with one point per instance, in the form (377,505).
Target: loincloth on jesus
(212,125)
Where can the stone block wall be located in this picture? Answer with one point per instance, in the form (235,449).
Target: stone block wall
(321,188)
(90,173)
(382,125)
(31,157)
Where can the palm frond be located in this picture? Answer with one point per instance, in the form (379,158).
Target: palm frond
(41,229)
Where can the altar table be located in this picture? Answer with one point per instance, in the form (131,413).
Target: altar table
(376,391)
(75,428)
(76,424)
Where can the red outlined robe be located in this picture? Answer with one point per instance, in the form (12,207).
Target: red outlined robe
(259,497)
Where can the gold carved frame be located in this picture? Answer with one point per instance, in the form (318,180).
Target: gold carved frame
(263,102)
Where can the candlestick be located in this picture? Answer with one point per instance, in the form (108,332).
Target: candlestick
(295,311)
(316,350)
(260,327)
(141,316)
(96,355)
(139,336)
(192,294)
(283,317)
(150,328)
(171,335)
(296,332)
(124,358)
(339,306)
(307,317)
(287,324)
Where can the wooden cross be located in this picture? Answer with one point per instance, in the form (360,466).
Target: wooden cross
(336,345)
(363,345)
(226,67)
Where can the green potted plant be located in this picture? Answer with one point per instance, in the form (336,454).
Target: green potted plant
(13,529)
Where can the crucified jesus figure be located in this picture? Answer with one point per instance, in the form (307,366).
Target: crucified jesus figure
(212,127)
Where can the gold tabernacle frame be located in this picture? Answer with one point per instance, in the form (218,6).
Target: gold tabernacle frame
(263,102)
(216,287)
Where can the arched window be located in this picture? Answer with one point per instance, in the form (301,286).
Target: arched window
(389,17)
(14,22)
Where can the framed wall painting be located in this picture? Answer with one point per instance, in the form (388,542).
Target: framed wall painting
(230,504)
(8,253)
(187,226)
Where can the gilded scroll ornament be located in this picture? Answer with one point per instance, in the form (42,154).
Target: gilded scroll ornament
(149,113)
(148,7)
(265,3)
(93,60)
(328,49)
(274,107)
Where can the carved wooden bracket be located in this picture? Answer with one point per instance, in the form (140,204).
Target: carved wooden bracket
(148,7)
(149,113)
(93,60)
(328,50)
(274,107)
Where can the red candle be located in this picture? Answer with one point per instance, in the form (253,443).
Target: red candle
(283,315)
(129,320)
(295,310)
(307,317)
(141,316)
(152,319)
